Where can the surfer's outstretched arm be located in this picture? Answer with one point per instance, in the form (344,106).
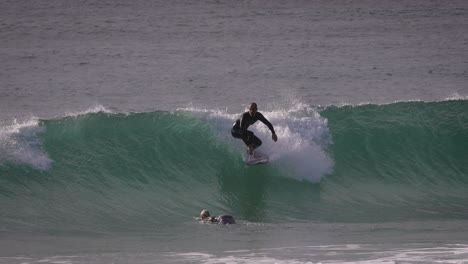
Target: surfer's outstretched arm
(269,125)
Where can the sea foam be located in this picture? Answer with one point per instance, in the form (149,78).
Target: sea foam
(303,139)
(21,144)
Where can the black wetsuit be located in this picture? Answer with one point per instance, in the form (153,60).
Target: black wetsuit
(222,219)
(239,130)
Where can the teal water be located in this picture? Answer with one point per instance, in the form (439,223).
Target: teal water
(115,119)
(403,160)
(116,173)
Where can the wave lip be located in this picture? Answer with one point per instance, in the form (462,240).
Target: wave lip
(456,97)
(92,110)
(20,144)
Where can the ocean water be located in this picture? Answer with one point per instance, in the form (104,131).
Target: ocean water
(115,122)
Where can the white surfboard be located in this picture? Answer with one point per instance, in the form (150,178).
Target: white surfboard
(257,158)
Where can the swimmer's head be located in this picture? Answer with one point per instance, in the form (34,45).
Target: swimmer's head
(204,214)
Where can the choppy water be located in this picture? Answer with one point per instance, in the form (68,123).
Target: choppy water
(68,56)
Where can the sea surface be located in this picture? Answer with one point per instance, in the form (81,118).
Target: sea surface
(115,122)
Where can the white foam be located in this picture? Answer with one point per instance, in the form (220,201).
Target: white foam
(452,97)
(456,96)
(303,139)
(20,144)
(91,110)
(351,253)
(247,259)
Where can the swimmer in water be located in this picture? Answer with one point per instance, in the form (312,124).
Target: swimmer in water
(222,219)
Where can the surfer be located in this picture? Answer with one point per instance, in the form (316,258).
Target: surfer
(222,219)
(239,129)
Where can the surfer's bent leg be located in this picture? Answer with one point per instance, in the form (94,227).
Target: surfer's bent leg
(236,133)
(256,142)
(249,138)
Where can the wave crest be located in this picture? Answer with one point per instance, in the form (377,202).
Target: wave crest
(21,144)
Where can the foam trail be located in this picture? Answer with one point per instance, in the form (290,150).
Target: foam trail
(20,144)
(305,137)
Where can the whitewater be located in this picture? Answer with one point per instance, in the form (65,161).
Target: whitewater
(142,174)
(115,122)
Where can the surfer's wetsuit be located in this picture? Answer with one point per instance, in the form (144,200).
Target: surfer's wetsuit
(239,130)
(222,219)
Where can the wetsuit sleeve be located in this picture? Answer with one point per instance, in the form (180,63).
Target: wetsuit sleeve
(244,123)
(266,122)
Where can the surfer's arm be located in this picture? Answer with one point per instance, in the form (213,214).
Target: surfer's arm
(266,122)
(269,125)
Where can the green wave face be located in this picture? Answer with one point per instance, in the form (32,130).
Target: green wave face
(400,161)
(102,172)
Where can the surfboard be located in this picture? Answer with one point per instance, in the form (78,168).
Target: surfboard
(257,158)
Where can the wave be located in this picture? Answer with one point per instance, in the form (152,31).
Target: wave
(404,159)
(100,170)
(20,144)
